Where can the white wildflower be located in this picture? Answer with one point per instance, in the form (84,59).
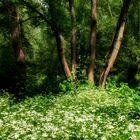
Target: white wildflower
(50,127)
(121,117)
(16,135)
(131,127)
(133,137)
(14,122)
(98,118)
(45,135)
(1,123)
(94,126)
(79,120)
(109,126)
(103,138)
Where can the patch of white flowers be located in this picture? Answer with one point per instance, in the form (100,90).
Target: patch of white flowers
(63,120)
(133,127)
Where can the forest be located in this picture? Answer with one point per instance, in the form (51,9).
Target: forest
(69,69)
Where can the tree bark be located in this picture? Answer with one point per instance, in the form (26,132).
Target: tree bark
(62,58)
(91,69)
(59,39)
(16,36)
(73,36)
(116,41)
(15,31)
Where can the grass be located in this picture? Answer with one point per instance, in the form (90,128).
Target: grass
(89,113)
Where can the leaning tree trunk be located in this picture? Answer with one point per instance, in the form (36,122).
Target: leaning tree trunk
(91,69)
(59,38)
(117,41)
(73,37)
(62,58)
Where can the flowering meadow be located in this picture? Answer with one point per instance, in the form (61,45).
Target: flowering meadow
(86,114)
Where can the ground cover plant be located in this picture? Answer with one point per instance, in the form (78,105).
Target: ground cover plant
(87,113)
(69,69)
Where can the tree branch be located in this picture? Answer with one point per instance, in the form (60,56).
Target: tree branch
(22,21)
(39,13)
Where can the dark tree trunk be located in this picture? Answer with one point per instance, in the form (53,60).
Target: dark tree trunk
(16,36)
(117,41)
(17,41)
(15,31)
(73,36)
(91,69)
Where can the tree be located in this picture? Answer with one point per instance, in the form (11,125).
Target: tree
(15,31)
(51,21)
(91,69)
(117,41)
(73,35)
(59,39)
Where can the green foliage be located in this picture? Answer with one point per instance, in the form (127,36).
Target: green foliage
(67,85)
(40,45)
(90,113)
(79,111)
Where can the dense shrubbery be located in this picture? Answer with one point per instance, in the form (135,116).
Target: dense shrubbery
(87,113)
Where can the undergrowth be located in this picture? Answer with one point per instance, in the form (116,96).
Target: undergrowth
(88,113)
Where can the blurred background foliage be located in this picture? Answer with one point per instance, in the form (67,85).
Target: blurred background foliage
(43,70)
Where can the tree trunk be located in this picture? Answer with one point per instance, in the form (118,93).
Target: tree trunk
(62,58)
(59,38)
(16,35)
(73,36)
(17,44)
(117,41)
(15,30)
(91,69)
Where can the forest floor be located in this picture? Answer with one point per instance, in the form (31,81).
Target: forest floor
(88,113)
